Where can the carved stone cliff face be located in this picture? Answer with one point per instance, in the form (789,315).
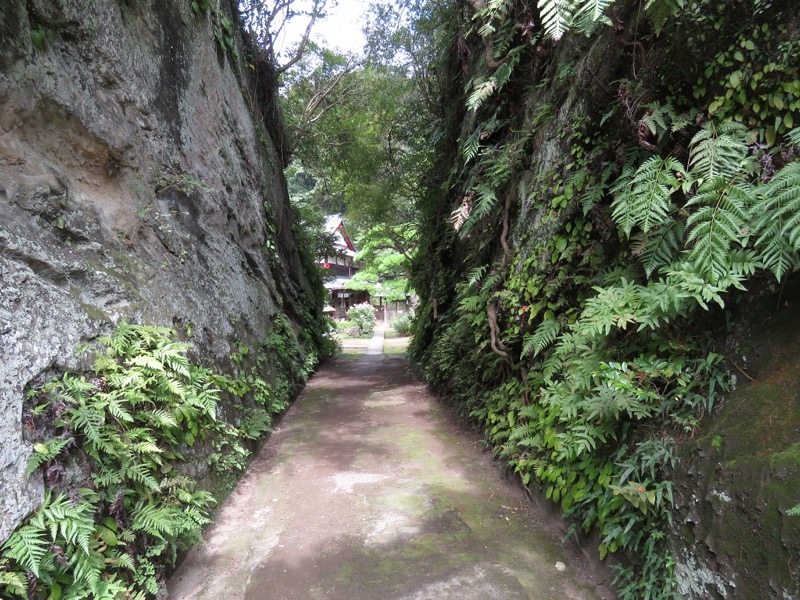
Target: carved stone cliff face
(135,183)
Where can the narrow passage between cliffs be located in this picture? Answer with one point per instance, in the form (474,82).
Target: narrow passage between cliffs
(369,489)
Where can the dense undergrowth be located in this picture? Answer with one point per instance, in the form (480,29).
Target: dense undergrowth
(121,450)
(607,198)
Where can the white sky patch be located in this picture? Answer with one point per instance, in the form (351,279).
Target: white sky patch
(341,29)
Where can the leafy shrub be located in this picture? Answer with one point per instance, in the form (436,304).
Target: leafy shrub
(343,326)
(363,316)
(402,325)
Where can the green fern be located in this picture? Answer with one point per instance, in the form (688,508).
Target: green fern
(484,202)
(544,335)
(28,546)
(719,223)
(660,246)
(14,583)
(776,216)
(590,14)
(720,151)
(155,519)
(644,198)
(473,304)
(659,11)
(72,521)
(44,452)
(146,402)
(482,91)
(659,118)
(557,16)
(476,274)
(595,189)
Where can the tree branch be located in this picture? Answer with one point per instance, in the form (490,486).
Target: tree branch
(494,333)
(303,43)
(488,40)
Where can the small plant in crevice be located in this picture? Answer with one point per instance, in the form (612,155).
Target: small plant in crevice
(42,37)
(173,177)
(222,25)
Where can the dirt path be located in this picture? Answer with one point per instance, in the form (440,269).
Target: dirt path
(369,491)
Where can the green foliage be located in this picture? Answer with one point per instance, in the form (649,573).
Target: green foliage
(132,421)
(42,37)
(776,216)
(402,325)
(660,11)
(172,177)
(755,80)
(222,25)
(644,220)
(644,198)
(146,408)
(726,203)
(559,16)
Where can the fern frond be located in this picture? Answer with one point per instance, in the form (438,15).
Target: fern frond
(719,223)
(644,199)
(89,421)
(485,201)
(45,452)
(472,304)
(146,448)
(476,274)
(74,521)
(659,118)
(206,399)
(161,419)
(28,546)
(154,519)
(784,190)
(86,570)
(115,404)
(471,146)
(112,588)
(776,216)
(659,11)
(491,282)
(794,136)
(544,335)
(686,278)
(612,308)
(719,151)
(660,247)
(13,583)
(595,189)
(590,14)
(148,362)
(557,16)
(482,90)
(142,473)
(486,29)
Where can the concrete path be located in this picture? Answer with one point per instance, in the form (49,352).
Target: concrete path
(369,490)
(375,347)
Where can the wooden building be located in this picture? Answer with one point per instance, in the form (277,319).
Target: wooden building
(341,267)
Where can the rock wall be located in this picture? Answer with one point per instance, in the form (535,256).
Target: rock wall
(738,476)
(549,130)
(139,181)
